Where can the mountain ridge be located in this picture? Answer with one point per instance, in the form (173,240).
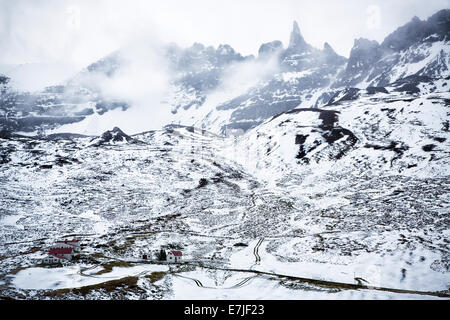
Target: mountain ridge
(306,76)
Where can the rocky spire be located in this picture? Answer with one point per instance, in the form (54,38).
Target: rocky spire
(297,42)
(331,56)
(328,49)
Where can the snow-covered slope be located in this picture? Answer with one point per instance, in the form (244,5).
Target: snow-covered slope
(390,133)
(355,192)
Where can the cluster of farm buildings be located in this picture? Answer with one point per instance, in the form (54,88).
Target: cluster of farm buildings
(66,249)
(62,250)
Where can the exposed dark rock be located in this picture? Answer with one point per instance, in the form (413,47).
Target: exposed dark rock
(4,156)
(5,134)
(362,57)
(409,84)
(240,244)
(417,30)
(428,147)
(344,95)
(408,88)
(300,139)
(4,79)
(202,182)
(329,117)
(338,133)
(373,90)
(116,135)
(396,146)
(31,123)
(113,136)
(439,139)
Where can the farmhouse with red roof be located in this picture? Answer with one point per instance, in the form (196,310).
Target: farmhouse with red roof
(58,255)
(62,250)
(174,256)
(74,244)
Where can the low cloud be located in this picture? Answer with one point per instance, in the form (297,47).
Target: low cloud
(142,80)
(239,77)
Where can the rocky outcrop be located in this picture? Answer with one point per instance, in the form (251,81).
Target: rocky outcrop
(269,48)
(113,136)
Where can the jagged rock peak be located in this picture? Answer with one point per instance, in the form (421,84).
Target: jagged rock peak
(197,47)
(331,56)
(113,136)
(296,41)
(116,134)
(364,50)
(441,18)
(295,28)
(362,57)
(362,43)
(225,49)
(328,49)
(117,130)
(269,48)
(416,31)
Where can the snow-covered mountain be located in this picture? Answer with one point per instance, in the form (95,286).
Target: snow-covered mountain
(390,133)
(277,80)
(418,48)
(303,73)
(310,77)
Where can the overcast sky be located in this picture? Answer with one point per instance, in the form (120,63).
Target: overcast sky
(78,32)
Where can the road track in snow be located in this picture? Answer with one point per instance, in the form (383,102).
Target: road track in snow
(243,282)
(236,286)
(317,282)
(197,282)
(322,283)
(255,251)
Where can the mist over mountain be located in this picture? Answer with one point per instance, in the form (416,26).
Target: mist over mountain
(218,88)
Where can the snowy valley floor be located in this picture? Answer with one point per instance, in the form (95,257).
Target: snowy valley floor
(339,237)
